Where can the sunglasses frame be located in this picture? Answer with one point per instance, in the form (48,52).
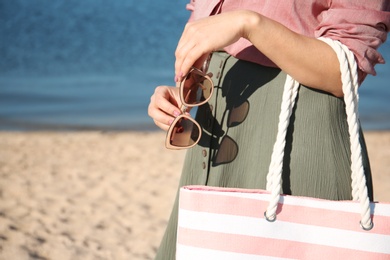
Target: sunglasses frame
(184,107)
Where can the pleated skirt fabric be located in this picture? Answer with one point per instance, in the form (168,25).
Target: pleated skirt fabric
(239,131)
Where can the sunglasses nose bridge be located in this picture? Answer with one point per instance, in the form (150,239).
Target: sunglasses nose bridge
(183,109)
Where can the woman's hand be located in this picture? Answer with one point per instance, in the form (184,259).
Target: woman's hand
(164,106)
(308,60)
(203,36)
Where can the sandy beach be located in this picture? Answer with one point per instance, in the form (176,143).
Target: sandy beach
(101,195)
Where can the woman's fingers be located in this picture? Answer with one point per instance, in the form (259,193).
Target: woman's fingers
(206,35)
(164,106)
(190,48)
(193,57)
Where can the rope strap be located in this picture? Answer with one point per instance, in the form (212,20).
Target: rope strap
(349,79)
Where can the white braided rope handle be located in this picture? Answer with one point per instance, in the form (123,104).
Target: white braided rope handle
(348,70)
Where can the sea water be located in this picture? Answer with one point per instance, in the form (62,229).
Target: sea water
(94,64)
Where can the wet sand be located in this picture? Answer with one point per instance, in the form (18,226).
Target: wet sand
(94,195)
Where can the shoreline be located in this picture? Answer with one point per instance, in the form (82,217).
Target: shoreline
(102,194)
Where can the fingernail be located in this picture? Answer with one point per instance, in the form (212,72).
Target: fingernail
(179,77)
(170,122)
(176,113)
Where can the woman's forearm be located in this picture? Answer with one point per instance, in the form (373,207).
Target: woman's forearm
(308,60)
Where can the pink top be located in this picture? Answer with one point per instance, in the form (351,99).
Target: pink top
(362,25)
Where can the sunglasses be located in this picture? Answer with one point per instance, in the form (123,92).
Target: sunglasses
(196,89)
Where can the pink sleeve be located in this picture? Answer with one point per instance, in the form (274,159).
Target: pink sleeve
(191,7)
(362,25)
(200,9)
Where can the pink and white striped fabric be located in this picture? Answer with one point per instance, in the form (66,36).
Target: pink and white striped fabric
(221,223)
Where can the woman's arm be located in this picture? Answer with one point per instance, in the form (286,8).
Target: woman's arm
(308,60)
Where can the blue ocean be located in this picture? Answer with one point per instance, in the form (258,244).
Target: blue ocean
(93,64)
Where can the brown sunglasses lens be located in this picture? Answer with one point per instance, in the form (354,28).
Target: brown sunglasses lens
(197,88)
(184,133)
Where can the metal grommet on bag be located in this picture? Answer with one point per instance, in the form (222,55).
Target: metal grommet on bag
(270,219)
(371,226)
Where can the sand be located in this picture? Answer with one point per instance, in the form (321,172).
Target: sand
(101,195)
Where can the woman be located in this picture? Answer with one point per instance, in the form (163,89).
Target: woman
(253,45)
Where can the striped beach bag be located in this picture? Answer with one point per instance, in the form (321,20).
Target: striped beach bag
(229,223)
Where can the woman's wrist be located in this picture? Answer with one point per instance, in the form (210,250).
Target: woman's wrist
(295,54)
(250,22)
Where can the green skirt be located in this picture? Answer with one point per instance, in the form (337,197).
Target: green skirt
(239,131)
